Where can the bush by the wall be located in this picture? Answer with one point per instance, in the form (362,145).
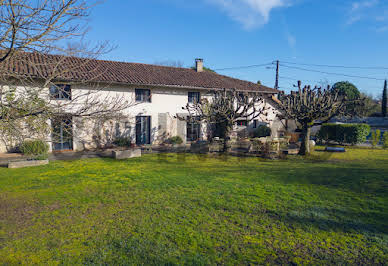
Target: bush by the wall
(385,140)
(344,133)
(376,138)
(262,131)
(37,149)
(175,140)
(123,142)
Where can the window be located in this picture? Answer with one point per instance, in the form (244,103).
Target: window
(255,123)
(193,130)
(242,123)
(194,97)
(143,95)
(60,92)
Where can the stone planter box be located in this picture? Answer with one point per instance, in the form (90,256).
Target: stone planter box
(216,146)
(126,154)
(199,147)
(27,163)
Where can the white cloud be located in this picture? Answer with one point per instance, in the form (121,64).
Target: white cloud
(360,9)
(373,12)
(363,4)
(291,40)
(250,13)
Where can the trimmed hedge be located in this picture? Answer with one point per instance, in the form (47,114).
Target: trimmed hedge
(385,140)
(37,149)
(344,133)
(123,142)
(262,131)
(175,140)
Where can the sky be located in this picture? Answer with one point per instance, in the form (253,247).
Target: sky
(302,34)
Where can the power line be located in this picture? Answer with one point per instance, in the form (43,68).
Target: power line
(331,73)
(336,66)
(242,67)
(295,79)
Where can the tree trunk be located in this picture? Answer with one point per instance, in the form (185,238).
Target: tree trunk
(305,146)
(227,146)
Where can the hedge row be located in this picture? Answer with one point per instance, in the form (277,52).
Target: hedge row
(36,149)
(344,133)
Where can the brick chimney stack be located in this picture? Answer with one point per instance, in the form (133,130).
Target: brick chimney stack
(199,65)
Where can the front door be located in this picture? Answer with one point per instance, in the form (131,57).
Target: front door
(62,134)
(143,130)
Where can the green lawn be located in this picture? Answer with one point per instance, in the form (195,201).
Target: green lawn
(189,209)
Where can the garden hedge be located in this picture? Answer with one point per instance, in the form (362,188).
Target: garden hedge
(262,131)
(37,149)
(344,133)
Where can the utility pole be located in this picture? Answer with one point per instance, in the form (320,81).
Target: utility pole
(277,75)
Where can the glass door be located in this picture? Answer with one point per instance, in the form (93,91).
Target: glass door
(143,130)
(62,134)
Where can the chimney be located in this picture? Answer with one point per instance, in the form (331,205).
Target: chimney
(199,65)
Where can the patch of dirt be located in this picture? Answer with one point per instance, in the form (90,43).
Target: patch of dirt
(18,213)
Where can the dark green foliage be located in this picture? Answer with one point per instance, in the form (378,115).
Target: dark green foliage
(262,131)
(37,149)
(384,101)
(376,135)
(175,140)
(344,133)
(370,107)
(123,142)
(347,89)
(385,140)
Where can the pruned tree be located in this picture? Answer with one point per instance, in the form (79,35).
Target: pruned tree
(224,108)
(308,105)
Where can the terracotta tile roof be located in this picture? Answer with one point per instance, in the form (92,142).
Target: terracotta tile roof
(78,69)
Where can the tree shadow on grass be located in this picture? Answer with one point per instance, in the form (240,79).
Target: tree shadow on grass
(366,223)
(352,177)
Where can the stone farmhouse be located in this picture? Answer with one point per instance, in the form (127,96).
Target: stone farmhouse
(158,94)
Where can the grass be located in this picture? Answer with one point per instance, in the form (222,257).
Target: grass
(198,210)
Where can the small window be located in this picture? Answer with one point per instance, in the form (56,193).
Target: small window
(255,123)
(242,123)
(194,97)
(143,95)
(60,92)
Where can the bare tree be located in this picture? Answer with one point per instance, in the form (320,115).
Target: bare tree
(55,88)
(170,63)
(308,105)
(225,108)
(37,86)
(41,26)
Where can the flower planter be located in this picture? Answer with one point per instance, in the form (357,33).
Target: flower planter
(126,154)
(27,163)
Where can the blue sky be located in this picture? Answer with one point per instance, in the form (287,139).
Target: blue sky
(231,33)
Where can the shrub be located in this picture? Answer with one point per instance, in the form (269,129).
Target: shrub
(376,138)
(37,149)
(344,133)
(123,142)
(175,140)
(262,131)
(385,140)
